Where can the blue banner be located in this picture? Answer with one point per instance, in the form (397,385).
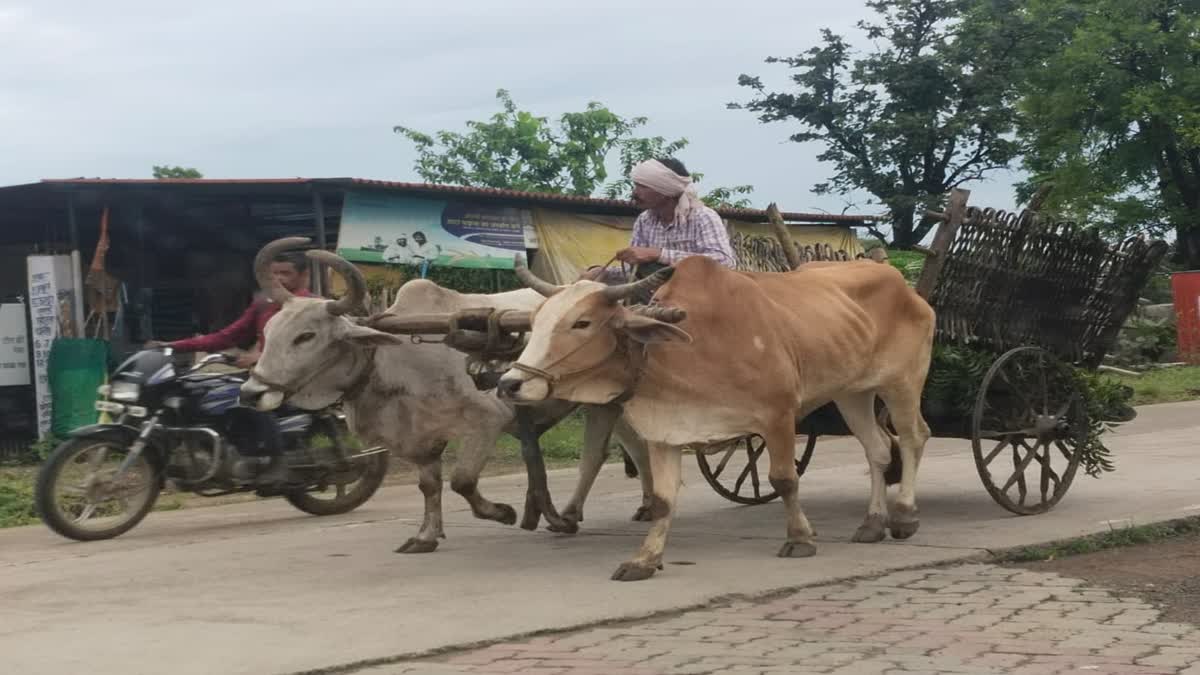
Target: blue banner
(386,228)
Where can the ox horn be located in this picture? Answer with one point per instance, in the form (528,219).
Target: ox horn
(531,280)
(660,313)
(262,266)
(356,284)
(650,283)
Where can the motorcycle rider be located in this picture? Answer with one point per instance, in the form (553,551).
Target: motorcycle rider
(290,269)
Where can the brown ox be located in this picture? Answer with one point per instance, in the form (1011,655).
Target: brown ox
(783,344)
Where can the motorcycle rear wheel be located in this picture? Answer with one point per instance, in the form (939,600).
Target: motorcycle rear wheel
(76,497)
(347,491)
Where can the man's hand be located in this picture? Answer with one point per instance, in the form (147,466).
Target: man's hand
(247,359)
(636,255)
(156,344)
(591,274)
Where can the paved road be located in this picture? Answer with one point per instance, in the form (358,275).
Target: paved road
(963,620)
(260,588)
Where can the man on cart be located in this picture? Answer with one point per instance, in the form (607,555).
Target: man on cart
(673,225)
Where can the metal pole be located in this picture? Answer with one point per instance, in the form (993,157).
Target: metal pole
(317,279)
(76,265)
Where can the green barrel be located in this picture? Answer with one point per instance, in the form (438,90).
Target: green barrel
(77,367)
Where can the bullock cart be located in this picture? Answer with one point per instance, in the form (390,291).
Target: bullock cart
(1048,299)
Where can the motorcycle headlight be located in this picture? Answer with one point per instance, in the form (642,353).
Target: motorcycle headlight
(126,392)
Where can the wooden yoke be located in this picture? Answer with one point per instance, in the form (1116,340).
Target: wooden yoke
(491,339)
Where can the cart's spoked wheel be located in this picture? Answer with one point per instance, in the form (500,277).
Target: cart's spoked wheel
(1029,423)
(738,470)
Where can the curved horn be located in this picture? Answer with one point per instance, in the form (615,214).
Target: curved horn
(356,284)
(262,266)
(650,283)
(531,280)
(660,313)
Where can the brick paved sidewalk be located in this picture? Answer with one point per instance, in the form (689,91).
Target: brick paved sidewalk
(964,619)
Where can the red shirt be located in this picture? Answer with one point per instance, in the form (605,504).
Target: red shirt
(248,326)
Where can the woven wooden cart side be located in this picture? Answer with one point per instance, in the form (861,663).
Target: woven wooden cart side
(1009,280)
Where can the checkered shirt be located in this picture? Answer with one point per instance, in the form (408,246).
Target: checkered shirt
(701,233)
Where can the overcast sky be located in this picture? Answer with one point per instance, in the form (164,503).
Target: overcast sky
(267,88)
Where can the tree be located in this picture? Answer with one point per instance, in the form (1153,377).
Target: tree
(518,150)
(733,197)
(176,172)
(927,110)
(1111,117)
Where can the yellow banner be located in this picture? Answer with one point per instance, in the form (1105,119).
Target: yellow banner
(570,242)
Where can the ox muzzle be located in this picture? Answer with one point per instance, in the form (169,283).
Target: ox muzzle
(260,396)
(519,385)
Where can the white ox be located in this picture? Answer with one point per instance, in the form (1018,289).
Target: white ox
(414,398)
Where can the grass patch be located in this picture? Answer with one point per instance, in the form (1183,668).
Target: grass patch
(563,442)
(561,446)
(1132,535)
(16,497)
(1163,385)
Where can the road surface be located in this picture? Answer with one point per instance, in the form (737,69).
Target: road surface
(262,588)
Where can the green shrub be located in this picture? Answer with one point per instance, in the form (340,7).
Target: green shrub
(1143,340)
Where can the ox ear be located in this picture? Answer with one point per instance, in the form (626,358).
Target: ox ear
(369,336)
(646,330)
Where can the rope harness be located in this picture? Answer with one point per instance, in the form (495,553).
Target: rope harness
(620,348)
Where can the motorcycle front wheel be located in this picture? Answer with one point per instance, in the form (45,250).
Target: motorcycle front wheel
(79,496)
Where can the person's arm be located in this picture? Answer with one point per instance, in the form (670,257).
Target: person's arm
(612,275)
(235,334)
(712,240)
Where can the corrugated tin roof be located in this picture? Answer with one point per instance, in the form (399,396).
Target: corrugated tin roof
(546,198)
(178,181)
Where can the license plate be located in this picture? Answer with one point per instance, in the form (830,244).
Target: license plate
(110,407)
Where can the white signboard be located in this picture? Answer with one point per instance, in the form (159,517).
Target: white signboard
(14,346)
(51,309)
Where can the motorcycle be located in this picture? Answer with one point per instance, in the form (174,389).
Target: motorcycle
(179,424)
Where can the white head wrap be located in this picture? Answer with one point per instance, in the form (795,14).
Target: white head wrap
(656,176)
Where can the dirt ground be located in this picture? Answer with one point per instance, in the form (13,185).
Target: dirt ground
(1165,573)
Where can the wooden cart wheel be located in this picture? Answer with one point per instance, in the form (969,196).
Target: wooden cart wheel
(1030,420)
(733,470)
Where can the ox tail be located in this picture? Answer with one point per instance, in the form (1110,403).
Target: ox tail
(891,475)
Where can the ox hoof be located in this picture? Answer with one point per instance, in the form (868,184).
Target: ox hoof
(573,513)
(506,514)
(797,549)
(529,520)
(904,521)
(642,515)
(562,525)
(904,529)
(415,545)
(871,531)
(634,572)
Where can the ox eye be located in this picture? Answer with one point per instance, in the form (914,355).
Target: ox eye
(304,337)
(582,324)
